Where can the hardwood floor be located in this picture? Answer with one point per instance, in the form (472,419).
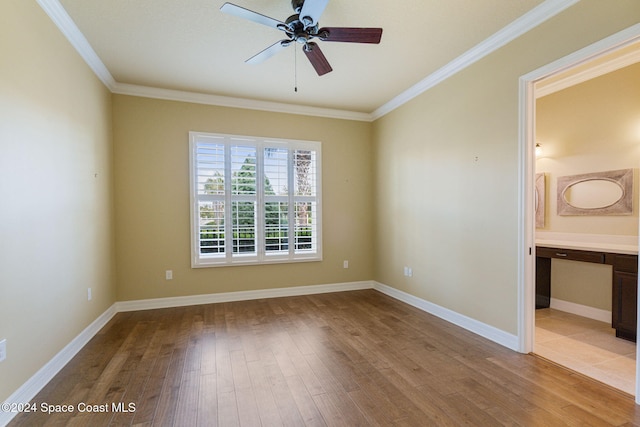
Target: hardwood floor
(350,358)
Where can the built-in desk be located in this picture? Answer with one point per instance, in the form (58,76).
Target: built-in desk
(624,282)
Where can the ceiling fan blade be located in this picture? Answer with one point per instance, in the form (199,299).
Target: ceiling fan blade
(311,12)
(241,12)
(351,35)
(317,58)
(268,52)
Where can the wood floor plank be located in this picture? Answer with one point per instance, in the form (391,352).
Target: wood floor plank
(299,366)
(265,400)
(285,402)
(588,394)
(146,406)
(390,398)
(371,411)
(208,352)
(304,402)
(188,398)
(248,413)
(168,399)
(207,401)
(338,409)
(337,359)
(228,409)
(433,414)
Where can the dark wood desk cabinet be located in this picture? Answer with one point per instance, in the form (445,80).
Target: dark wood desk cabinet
(624,283)
(625,296)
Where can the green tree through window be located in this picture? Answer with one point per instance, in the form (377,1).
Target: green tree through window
(247,198)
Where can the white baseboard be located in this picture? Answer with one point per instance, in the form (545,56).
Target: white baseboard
(31,388)
(148,304)
(489,332)
(34,384)
(581,310)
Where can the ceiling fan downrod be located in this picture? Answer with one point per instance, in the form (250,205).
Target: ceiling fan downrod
(302,27)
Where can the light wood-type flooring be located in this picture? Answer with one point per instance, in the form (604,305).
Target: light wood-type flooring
(342,359)
(587,346)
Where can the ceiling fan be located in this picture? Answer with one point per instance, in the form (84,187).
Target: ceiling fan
(302,28)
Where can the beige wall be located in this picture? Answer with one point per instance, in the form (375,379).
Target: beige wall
(590,127)
(55,214)
(432,186)
(582,283)
(152,198)
(447,175)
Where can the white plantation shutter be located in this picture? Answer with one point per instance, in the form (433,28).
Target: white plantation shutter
(244,198)
(254,200)
(305,199)
(210,190)
(276,201)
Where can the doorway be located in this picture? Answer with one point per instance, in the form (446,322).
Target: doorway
(579,64)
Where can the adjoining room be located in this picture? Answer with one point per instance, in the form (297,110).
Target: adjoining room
(585,120)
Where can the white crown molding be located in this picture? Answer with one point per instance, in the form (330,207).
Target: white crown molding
(528,21)
(520,26)
(63,21)
(226,101)
(588,74)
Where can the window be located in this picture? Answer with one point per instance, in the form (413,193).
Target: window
(254,200)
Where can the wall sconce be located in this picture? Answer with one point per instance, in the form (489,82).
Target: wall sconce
(538,150)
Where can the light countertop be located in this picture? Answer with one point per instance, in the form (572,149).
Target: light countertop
(589,242)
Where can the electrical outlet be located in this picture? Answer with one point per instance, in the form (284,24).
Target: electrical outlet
(168,275)
(345,264)
(88,294)
(408,271)
(3,349)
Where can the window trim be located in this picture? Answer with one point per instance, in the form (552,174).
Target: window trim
(261,257)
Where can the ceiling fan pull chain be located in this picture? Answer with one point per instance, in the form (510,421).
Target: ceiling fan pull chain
(295,70)
(301,28)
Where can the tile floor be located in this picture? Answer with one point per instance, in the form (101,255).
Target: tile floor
(587,346)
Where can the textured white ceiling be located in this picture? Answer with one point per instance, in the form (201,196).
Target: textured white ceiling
(189,45)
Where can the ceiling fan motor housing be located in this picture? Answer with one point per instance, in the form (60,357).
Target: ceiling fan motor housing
(297,31)
(302,27)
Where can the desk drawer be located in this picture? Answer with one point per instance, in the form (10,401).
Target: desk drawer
(570,254)
(626,263)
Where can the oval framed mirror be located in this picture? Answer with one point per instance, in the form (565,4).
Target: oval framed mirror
(600,193)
